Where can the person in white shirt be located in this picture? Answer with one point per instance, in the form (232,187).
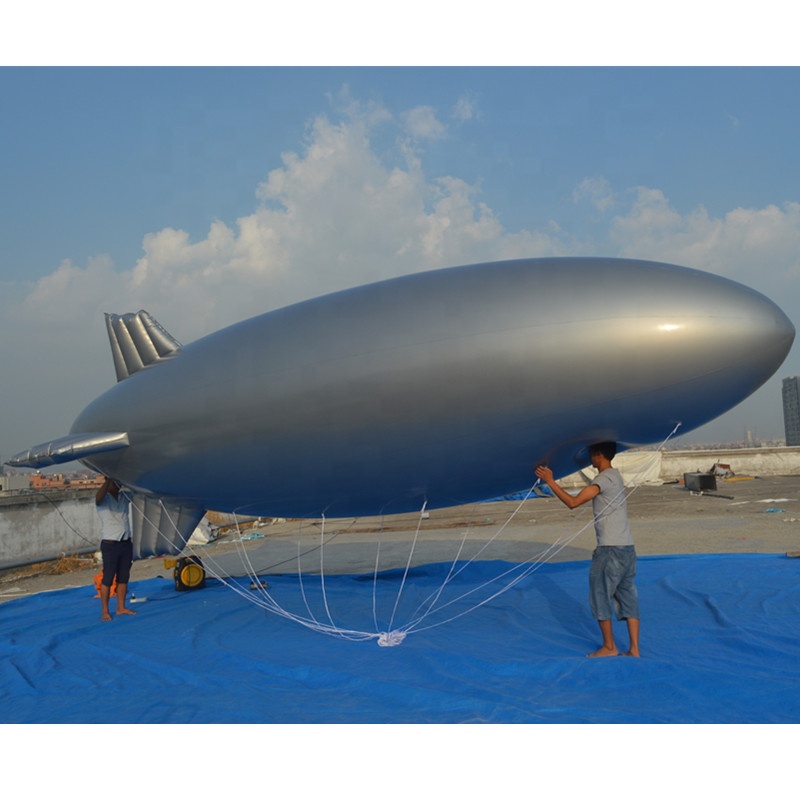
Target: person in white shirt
(613,569)
(116,546)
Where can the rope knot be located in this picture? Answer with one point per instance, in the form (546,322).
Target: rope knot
(391,638)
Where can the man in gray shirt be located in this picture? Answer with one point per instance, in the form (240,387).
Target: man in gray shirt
(613,569)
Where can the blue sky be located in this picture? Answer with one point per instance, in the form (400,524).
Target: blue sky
(145,148)
(207,195)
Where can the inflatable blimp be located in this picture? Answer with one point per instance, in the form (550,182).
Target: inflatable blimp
(437,388)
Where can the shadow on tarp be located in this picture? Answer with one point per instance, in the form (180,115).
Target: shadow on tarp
(719,643)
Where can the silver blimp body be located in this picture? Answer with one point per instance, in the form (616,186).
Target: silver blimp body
(438,388)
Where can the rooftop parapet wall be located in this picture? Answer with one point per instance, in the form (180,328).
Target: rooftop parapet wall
(40,527)
(668,465)
(752,461)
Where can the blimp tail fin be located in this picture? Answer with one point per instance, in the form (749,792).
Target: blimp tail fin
(138,341)
(160,528)
(69,448)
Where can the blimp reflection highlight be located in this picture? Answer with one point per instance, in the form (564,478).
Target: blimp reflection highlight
(442,387)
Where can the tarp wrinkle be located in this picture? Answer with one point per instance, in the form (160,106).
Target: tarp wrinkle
(719,645)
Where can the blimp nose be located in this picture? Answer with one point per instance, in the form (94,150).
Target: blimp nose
(740,329)
(767,338)
(683,346)
(710,344)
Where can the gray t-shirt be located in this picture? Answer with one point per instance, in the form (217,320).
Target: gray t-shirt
(611,510)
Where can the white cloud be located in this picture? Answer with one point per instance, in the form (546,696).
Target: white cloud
(422,123)
(595,190)
(333,215)
(758,246)
(465,109)
(69,293)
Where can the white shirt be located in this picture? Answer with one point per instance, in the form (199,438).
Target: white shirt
(115,521)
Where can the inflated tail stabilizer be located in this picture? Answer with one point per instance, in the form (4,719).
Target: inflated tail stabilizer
(138,341)
(160,528)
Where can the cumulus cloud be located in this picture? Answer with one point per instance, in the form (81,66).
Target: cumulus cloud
(69,293)
(422,123)
(465,109)
(596,191)
(333,215)
(748,244)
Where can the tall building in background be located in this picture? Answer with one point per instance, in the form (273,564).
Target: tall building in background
(791,410)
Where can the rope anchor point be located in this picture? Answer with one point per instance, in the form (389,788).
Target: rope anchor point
(391,638)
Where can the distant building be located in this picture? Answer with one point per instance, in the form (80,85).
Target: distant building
(41,481)
(13,483)
(791,410)
(80,482)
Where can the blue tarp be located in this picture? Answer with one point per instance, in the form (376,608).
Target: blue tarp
(720,644)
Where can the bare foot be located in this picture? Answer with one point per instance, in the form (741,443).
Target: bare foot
(106,617)
(634,653)
(126,611)
(603,651)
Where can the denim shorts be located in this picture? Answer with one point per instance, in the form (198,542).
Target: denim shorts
(611,583)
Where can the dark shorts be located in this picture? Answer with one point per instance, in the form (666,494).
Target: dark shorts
(117,560)
(611,585)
